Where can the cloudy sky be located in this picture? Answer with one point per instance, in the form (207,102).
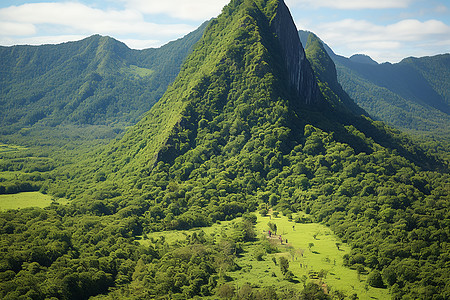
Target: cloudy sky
(387,30)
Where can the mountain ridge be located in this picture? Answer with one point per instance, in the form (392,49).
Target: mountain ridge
(208,86)
(411,95)
(97,80)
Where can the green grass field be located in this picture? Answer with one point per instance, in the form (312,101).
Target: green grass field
(24,200)
(323,256)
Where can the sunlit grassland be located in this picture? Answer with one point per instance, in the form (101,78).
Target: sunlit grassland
(324,255)
(304,261)
(24,200)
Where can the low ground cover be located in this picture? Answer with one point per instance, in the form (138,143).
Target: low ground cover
(28,199)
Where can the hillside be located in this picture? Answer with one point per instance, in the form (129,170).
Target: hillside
(60,102)
(253,122)
(95,81)
(412,95)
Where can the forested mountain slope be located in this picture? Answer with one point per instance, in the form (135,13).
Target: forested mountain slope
(234,131)
(96,81)
(413,95)
(252,121)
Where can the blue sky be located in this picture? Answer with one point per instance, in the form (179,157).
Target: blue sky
(387,30)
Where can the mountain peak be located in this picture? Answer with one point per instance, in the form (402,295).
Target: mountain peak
(325,71)
(249,70)
(300,73)
(363,59)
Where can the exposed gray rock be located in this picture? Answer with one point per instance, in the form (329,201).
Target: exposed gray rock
(301,75)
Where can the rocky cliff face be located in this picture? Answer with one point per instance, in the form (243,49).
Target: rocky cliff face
(301,75)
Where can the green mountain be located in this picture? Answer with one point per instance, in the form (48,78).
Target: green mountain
(252,122)
(412,95)
(326,74)
(95,81)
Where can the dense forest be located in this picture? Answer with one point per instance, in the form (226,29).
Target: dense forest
(412,95)
(231,136)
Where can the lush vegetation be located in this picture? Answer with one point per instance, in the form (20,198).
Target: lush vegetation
(412,95)
(78,96)
(230,137)
(89,83)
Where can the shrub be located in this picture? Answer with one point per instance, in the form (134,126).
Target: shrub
(375,280)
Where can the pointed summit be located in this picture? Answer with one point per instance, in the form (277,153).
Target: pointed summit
(300,73)
(243,100)
(249,69)
(326,74)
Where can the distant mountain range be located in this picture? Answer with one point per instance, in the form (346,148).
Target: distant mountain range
(413,95)
(98,80)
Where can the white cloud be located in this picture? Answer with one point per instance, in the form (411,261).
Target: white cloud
(141,44)
(68,13)
(14,28)
(79,18)
(405,30)
(352,4)
(414,30)
(39,40)
(383,43)
(197,10)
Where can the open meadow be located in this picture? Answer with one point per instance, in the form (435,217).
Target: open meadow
(314,254)
(24,200)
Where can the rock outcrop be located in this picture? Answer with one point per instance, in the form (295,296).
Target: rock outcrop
(301,75)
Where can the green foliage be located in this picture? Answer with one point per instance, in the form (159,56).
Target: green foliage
(263,212)
(228,137)
(314,292)
(97,80)
(273,227)
(52,257)
(283,262)
(374,279)
(226,291)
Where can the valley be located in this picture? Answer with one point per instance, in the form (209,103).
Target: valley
(158,173)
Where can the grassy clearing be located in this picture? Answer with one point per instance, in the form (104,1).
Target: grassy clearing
(179,235)
(137,71)
(24,200)
(304,261)
(324,255)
